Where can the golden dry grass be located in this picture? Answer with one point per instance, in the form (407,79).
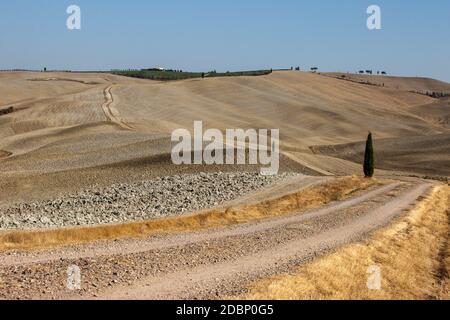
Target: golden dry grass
(413,255)
(316,196)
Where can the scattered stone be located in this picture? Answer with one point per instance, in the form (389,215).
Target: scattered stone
(145,200)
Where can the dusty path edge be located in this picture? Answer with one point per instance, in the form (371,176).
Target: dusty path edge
(412,269)
(182,284)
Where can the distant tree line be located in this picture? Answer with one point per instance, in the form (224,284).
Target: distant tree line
(169,75)
(365,82)
(371,72)
(433,94)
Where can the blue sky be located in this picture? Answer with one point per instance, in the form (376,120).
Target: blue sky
(228,35)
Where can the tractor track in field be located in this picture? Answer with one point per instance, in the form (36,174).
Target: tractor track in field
(111,113)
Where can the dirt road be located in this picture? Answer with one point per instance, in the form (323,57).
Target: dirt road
(203,264)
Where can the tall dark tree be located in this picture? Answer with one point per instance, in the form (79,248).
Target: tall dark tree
(369,162)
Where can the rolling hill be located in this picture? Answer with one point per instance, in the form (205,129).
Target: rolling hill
(81,125)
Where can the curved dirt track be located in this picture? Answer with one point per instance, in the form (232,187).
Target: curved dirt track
(111,113)
(204,264)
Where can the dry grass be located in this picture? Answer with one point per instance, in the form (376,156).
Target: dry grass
(306,199)
(413,255)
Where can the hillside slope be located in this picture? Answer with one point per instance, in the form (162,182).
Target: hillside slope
(85,125)
(417,84)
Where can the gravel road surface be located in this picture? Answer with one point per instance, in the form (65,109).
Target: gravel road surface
(204,264)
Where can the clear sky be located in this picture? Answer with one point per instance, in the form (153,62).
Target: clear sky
(202,35)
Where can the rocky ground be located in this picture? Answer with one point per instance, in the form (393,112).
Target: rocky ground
(161,197)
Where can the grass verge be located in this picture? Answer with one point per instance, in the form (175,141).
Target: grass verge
(413,255)
(336,189)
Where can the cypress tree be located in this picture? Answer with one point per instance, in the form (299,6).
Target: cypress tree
(369,163)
